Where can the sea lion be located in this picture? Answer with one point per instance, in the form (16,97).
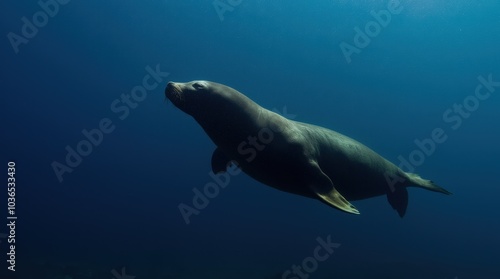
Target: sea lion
(291,156)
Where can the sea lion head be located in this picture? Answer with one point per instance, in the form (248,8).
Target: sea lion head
(200,98)
(186,96)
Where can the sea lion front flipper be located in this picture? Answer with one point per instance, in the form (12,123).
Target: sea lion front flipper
(334,198)
(219,161)
(323,187)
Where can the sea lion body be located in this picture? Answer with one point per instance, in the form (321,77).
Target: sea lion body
(291,156)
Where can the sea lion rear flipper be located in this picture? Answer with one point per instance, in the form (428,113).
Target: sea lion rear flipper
(323,187)
(219,161)
(398,199)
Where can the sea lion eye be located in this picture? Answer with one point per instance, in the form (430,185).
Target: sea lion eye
(199,85)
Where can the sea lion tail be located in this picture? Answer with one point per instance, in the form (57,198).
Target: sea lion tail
(418,181)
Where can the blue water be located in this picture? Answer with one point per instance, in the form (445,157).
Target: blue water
(118,207)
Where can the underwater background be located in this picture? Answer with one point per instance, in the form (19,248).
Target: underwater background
(386,73)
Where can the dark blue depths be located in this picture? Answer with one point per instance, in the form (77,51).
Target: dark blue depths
(103,162)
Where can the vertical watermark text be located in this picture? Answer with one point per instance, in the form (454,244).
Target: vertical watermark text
(11,215)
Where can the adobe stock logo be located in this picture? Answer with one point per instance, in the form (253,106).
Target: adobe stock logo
(454,116)
(121,108)
(310,264)
(122,275)
(223,6)
(40,19)
(372,29)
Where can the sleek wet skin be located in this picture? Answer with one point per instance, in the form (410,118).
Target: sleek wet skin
(291,156)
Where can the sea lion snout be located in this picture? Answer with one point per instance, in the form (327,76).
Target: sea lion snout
(187,95)
(174,93)
(172,88)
